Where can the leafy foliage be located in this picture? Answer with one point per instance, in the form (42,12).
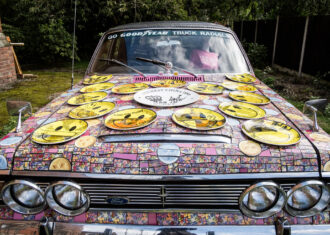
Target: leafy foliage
(257,54)
(46,26)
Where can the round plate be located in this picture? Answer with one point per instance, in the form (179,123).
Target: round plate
(245,78)
(59,132)
(97,87)
(166,97)
(168,83)
(129,119)
(87,98)
(249,97)
(91,110)
(198,119)
(129,88)
(236,86)
(242,110)
(206,88)
(270,132)
(96,79)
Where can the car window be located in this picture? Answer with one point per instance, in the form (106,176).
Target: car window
(199,51)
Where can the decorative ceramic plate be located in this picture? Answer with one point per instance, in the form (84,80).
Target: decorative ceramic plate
(96,79)
(129,119)
(87,98)
(242,110)
(249,97)
(166,97)
(97,87)
(245,78)
(59,132)
(271,132)
(129,88)
(206,88)
(198,119)
(236,86)
(91,110)
(168,83)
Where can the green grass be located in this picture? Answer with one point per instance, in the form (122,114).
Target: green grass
(39,91)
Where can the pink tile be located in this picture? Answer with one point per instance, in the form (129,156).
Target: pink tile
(152,218)
(265,153)
(10,150)
(211,151)
(127,156)
(80,218)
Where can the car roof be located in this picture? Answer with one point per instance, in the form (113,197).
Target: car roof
(169,24)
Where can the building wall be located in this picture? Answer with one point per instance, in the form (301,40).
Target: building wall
(7,66)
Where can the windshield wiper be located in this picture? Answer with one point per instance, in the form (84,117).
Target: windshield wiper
(167,65)
(125,65)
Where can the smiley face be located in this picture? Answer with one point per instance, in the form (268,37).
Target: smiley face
(129,88)
(96,79)
(198,118)
(168,83)
(91,110)
(87,98)
(97,87)
(206,88)
(130,119)
(59,131)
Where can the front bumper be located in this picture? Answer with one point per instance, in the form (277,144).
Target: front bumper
(59,228)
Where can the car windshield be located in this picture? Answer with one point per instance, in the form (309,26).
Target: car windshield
(197,51)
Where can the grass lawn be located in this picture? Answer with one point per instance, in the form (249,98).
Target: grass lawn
(39,91)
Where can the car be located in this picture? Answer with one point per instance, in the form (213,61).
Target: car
(169,132)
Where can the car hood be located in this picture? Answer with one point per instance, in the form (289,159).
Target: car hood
(124,159)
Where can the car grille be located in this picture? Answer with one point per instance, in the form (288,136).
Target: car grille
(167,195)
(189,78)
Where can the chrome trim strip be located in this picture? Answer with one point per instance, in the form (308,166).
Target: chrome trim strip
(71,228)
(169,177)
(325,174)
(310,229)
(173,138)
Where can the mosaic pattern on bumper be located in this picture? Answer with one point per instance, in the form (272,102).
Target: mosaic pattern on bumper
(165,218)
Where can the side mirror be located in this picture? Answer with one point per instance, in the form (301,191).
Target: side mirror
(18,108)
(314,106)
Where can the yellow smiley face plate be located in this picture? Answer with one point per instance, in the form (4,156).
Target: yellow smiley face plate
(59,131)
(242,110)
(87,98)
(96,79)
(249,97)
(91,110)
(206,88)
(168,83)
(198,119)
(245,78)
(97,87)
(129,119)
(129,88)
(271,132)
(236,86)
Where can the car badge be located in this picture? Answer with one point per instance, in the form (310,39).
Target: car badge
(168,153)
(117,201)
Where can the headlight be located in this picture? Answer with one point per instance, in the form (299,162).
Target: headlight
(262,200)
(67,198)
(23,196)
(307,198)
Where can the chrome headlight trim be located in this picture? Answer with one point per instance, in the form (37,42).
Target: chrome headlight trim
(55,204)
(316,208)
(11,200)
(277,205)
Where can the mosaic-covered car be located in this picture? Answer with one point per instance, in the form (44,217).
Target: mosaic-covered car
(169,132)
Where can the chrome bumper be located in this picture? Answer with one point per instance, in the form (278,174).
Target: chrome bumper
(13,227)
